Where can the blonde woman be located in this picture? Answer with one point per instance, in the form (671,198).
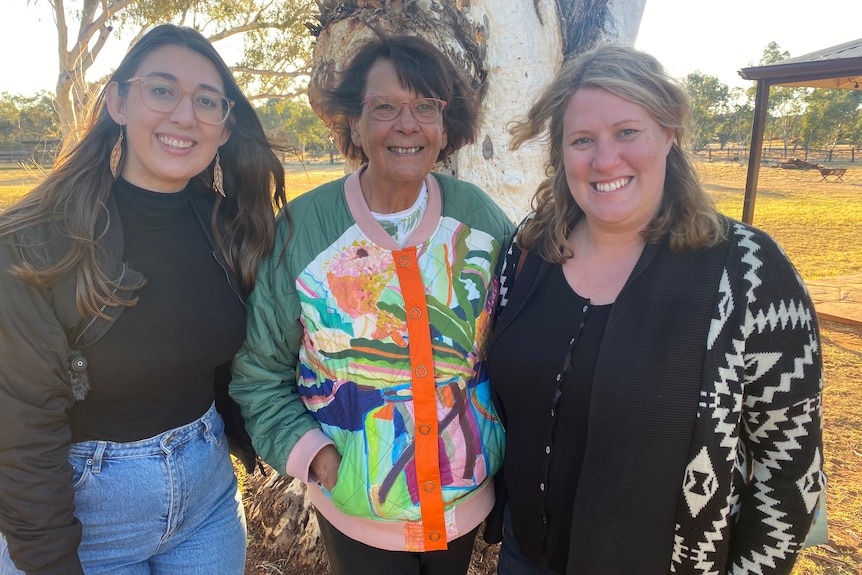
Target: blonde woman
(657,364)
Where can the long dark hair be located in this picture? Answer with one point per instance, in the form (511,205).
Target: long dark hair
(72,199)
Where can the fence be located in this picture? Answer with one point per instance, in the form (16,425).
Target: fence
(40,157)
(839,155)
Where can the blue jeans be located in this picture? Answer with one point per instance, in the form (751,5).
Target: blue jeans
(511,561)
(164,505)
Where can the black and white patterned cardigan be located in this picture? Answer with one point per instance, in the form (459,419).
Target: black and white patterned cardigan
(708,382)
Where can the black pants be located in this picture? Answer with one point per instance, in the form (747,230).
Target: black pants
(350,557)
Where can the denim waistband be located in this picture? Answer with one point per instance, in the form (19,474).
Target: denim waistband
(161,443)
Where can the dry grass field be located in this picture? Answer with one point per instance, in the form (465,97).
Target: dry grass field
(819,224)
(299,177)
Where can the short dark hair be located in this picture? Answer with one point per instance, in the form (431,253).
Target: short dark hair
(421,67)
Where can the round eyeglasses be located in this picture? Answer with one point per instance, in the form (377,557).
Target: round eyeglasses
(384,108)
(164,95)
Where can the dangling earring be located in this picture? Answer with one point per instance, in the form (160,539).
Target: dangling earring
(117,153)
(218,177)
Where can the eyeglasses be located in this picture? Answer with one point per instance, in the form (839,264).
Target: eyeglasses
(384,108)
(164,95)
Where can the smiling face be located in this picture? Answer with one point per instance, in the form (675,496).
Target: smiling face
(615,154)
(401,152)
(164,150)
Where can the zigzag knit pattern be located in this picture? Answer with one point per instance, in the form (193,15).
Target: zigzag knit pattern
(754,471)
(754,475)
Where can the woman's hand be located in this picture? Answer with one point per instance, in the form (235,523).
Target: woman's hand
(324,466)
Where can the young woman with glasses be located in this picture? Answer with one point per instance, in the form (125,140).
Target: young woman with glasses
(363,369)
(124,277)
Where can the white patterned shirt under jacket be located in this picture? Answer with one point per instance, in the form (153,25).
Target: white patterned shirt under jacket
(751,471)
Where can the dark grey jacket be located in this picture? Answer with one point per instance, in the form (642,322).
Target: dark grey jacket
(43,374)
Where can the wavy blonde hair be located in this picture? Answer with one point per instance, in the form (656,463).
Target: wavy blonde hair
(687,216)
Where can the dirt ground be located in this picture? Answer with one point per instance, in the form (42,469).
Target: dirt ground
(283,536)
(845,336)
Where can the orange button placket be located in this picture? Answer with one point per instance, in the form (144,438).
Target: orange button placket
(424,400)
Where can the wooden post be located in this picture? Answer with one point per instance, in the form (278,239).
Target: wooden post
(757,127)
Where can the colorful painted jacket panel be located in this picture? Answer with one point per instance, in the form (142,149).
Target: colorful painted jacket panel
(389,358)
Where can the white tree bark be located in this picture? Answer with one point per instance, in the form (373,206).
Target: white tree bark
(511,49)
(524,50)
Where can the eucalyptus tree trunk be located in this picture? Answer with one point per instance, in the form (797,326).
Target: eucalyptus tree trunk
(510,49)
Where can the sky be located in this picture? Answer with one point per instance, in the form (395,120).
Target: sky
(732,34)
(716,38)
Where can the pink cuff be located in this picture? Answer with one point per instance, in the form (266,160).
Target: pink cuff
(299,461)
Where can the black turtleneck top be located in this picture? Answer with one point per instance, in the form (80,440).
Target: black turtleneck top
(154,369)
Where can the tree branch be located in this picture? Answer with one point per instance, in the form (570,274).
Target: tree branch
(272,73)
(249,27)
(275,95)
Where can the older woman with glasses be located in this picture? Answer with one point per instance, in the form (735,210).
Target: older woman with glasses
(124,275)
(363,369)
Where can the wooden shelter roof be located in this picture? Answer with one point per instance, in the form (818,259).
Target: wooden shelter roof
(836,67)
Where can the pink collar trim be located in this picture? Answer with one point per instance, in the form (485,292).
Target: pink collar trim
(365,219)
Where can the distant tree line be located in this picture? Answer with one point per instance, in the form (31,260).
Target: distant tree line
(292,123)
(800,118)
(273,69)
(26,121)
(31,124)
(276,45)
